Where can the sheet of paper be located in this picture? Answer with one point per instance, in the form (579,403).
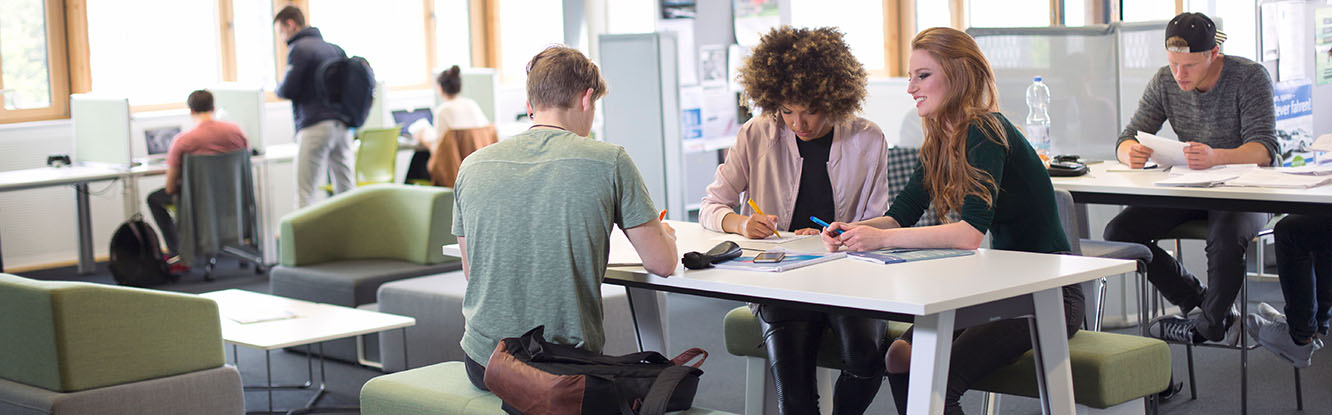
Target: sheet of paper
(1200,179)
(1323,143)
(1236,169)
(1308,169)
(1275,179)
(1118,167)
(1165,152)
(784,238)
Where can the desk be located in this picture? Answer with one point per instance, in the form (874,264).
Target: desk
(309,323)
(1100,186)
(80,176)
(939,295)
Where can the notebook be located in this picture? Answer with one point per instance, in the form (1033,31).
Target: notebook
(792,261)
(893,256)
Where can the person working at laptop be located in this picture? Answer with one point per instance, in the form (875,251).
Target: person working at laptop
(807,155)
(209,136)
(1222,106)
(458,115)
(533,215)
(974,162)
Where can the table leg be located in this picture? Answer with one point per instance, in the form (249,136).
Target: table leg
(931,349)
(268,367)
(1054,373)
(86,262)
(406,363)
(649,311)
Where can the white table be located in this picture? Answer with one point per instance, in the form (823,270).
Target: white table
(939,295)
(1101,186)
(310,323)
(80,176)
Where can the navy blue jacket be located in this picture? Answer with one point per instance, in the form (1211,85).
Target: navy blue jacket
(306,51)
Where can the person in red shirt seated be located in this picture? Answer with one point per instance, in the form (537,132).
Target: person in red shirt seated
(209,136)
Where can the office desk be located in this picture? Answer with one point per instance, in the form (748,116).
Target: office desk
(939,295)
(80,176)
(1100,186)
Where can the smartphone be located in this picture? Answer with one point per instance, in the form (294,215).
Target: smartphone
(769,257)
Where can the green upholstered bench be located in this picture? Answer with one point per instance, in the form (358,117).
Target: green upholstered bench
(440,389)
(1108,369)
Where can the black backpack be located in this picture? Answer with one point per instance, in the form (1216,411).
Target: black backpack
(532,375)
(136,257)
(348,85)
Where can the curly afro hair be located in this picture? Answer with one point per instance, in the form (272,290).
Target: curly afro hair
(809,67)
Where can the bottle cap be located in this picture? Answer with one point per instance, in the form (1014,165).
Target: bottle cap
(1037,78)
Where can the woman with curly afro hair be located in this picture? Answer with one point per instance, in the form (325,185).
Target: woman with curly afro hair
(807,155)
(976,163)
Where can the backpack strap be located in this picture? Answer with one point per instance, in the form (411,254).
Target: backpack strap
(690,354)
(660,393)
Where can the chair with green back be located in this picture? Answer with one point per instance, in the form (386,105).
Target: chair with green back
(376,156)
(82,348)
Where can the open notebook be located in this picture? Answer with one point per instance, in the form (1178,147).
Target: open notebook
(893,256)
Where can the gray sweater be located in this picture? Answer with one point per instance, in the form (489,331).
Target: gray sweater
(1237,110)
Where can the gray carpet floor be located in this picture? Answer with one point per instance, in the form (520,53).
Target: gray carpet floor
(696,322)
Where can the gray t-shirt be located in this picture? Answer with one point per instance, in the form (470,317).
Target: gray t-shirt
(1236,111)
(537,211)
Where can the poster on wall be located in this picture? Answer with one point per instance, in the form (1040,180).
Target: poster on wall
(754,18)
(1323,45)
(1293,102)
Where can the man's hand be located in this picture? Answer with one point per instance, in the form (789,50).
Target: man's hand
(758,226)
(668,230)
(1134,154)
(807,231)
(1200,156)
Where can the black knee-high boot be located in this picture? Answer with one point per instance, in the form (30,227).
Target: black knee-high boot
(898,383)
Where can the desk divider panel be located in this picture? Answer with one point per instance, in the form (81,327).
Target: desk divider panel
(101,129)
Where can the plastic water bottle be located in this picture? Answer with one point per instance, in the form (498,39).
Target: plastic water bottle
(1038,117)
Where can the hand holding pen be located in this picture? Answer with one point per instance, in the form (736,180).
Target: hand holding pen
(759,225)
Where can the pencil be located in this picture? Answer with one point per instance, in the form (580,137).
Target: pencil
(661,216)
(760,211)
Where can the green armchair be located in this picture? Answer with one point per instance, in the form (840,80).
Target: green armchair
(73,348)
(341,250)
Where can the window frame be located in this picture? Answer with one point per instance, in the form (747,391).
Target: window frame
(57,70)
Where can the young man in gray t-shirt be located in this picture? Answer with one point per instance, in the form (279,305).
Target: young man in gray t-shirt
(1222,106)
(533,216)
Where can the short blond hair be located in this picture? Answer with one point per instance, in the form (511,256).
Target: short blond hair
(558,75)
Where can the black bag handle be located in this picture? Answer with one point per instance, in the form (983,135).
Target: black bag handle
(660,393)
(540,350)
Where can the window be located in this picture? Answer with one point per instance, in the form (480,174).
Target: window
(388,33)
(253,31)
(1075,13)
(630,16)
(932,14)
(526,27)
(33,72)
(453,34)
(1010,13)
(1236,19)
(154,52)
(1146,10)
(863,30)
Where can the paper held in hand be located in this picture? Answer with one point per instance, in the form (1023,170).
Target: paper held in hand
(1165,152)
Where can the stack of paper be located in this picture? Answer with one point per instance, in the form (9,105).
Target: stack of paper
(1278,180)
(1313,170)
(1199,179)
(1165,152)
(771,239)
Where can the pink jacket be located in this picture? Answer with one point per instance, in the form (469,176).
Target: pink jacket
(765,163)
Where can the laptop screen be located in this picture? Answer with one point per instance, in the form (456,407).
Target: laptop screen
(404,118)
(159,139)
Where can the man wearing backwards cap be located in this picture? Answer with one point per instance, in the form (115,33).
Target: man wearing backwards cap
(1222,107)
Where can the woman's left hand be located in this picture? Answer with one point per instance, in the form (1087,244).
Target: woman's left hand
(863,238)
(807,231)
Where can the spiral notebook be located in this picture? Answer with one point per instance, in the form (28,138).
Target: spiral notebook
(893,256)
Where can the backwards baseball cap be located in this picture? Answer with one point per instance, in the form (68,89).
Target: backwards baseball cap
(1192,32)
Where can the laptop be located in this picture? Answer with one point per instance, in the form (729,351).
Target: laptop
(405,118)
(158,142)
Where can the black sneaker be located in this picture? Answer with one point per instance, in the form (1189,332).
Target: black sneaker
(1173,329)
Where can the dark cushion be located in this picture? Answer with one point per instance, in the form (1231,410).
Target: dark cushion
(349,282)
(1116,250)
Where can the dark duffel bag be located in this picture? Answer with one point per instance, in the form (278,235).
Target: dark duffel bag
(536,377)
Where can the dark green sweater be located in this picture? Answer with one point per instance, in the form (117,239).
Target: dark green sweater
(1024,216)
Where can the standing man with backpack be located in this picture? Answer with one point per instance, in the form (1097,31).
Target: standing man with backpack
(321,131)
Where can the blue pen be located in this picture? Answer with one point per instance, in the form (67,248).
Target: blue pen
(824,224)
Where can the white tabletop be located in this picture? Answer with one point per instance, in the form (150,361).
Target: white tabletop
(916,288)
(311,322)
(55,176)
(1140,184)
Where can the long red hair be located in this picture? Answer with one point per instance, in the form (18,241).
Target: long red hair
(971,99)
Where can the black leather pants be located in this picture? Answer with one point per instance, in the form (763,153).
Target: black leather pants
(793,336)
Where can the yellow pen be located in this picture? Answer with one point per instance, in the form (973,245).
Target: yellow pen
(754,206)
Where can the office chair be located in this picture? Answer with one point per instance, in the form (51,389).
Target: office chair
(376,157)
(217,213)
